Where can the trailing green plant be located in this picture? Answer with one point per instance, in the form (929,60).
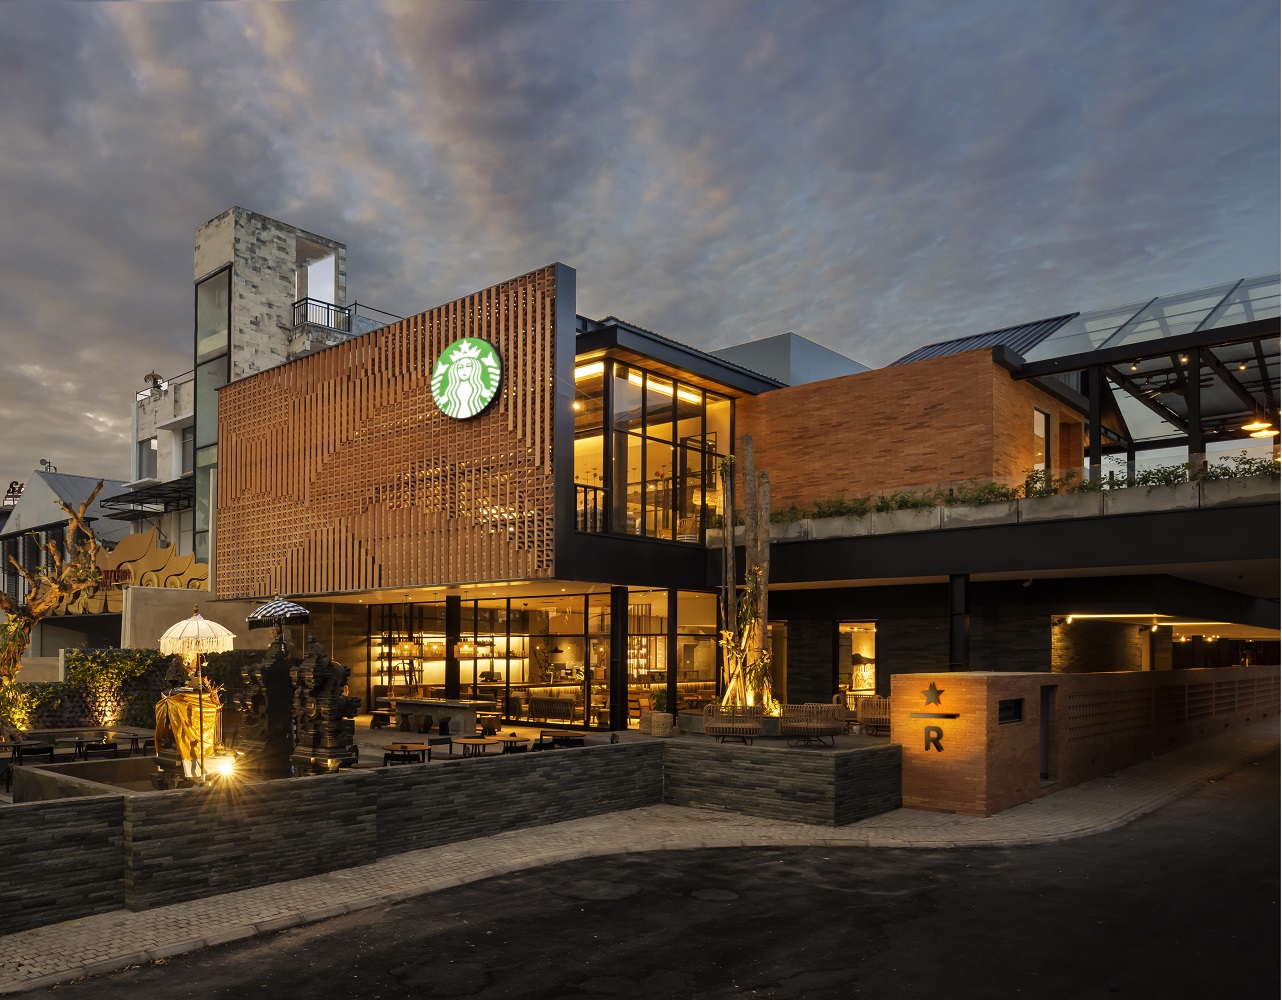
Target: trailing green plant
(973,493)
(907,500)
(1240,466)
(787,515)
(1162,475)
(841,507)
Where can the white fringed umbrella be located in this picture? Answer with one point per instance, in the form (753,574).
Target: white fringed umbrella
(191,638)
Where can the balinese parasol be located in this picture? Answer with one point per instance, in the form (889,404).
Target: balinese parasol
(276,613)
(191,638)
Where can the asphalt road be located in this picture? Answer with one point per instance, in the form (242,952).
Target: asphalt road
(1181,903)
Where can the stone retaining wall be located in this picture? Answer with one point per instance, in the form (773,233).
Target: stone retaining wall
(824,787)
(62,859)
(75,856)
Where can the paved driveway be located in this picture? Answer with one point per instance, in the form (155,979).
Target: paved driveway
(1181,903)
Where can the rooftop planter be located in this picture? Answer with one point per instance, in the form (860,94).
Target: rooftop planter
(1241,480)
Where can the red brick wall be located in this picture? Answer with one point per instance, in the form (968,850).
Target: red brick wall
(930,422)
(1100,722)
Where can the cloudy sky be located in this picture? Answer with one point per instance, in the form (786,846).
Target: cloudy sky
(872,175)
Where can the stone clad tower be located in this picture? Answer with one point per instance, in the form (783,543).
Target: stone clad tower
(265,292)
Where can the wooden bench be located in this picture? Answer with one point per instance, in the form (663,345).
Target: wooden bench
(546,707)
(812,722)
(732,722)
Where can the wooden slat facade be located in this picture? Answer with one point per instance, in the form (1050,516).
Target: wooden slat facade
(337,472)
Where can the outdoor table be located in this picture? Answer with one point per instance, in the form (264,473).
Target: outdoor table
(513,743)
(81,744)
(474,746)
(15,748)
(561,737)
(406,753)
(489,722)
(135,741)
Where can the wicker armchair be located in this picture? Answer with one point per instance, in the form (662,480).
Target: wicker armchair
(732,722)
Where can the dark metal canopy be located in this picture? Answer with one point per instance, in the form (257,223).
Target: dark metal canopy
(148,501)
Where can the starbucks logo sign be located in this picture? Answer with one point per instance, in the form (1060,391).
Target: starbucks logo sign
(466,377)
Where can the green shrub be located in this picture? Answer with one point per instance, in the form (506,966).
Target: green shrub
(1240,466)
(841,507)
(973,493)
(786,515)
(1162,475)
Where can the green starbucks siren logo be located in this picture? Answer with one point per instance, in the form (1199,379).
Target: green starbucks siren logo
(466,377)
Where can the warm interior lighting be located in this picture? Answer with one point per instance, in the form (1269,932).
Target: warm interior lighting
(578,405)
(659,387)
(222,767)
(1068,620)
(1263,433)
(1131,614)
(1134,367)
(588,370)
(1241,367)
(1184,359)
(1257,424)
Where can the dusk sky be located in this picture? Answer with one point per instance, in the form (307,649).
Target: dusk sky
(873,176)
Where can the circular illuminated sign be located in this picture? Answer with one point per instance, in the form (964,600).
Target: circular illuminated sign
(466,377)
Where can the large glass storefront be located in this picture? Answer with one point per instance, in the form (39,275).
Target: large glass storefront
(646,452)
(547,659)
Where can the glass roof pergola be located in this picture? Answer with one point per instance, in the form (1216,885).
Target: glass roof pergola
(1188,370)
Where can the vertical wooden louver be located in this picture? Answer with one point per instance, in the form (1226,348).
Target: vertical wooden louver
(337,472)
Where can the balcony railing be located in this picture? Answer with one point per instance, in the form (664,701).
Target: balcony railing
(356,318)
(314,312)
(590,505)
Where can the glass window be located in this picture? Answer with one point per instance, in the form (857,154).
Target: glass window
(718,435)
(647,653)
(589,451)
(857,662)
(1041,438)
(696,650)
(188,449)
(213,316)
(627,399)
(659,457)
(689,487)
(626,488)
(210,377)
(147,458)
(659,407)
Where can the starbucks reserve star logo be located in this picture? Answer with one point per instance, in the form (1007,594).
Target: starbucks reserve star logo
(466,377)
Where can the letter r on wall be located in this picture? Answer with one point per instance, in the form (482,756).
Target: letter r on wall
(933,736)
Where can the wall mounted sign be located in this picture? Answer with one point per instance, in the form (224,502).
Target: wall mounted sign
(466,377)
(933,735)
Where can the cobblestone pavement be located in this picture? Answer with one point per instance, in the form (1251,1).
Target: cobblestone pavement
(110,941)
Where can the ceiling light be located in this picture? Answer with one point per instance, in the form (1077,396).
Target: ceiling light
(583,371)
(1258,424)
(1134,367)
(1263,433)
(1241,367)
(1184,359)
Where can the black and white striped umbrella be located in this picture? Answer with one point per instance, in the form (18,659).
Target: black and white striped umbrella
(278,612)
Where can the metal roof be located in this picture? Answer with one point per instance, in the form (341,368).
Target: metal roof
(1021,339)
(38,509)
